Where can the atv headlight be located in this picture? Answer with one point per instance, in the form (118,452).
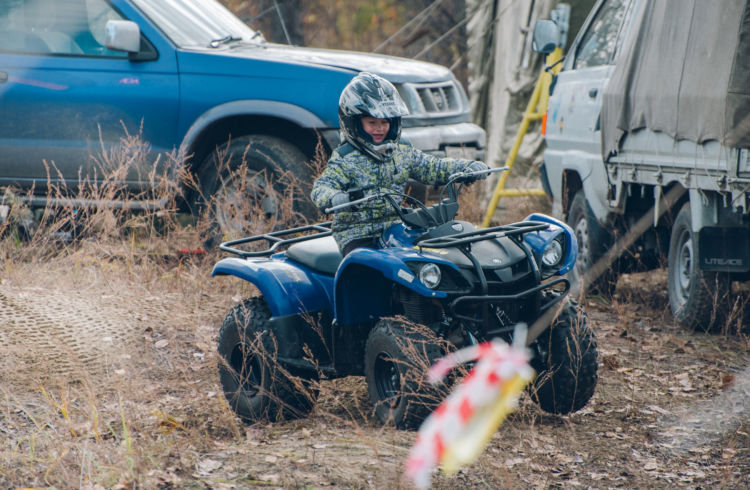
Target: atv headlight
(430,275)
(552,254)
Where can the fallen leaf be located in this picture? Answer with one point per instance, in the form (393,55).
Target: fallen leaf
(511,462)
(206,466)
(727,381)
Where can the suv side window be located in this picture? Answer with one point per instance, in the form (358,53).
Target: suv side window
(67,27)
(597,46)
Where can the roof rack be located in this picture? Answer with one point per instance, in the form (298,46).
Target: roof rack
(277,239)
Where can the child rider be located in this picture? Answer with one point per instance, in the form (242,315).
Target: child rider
(372,156)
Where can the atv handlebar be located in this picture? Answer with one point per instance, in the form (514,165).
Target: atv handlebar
(459,177)
(469,177)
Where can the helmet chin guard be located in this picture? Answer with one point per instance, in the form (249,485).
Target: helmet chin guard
(368,94)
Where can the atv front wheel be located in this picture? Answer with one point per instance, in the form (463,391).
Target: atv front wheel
(256,386)
(566,363)
(397,357)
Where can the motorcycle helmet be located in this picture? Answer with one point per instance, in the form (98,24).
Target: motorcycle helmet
(368,94)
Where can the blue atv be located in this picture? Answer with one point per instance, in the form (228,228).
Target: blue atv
(436,284)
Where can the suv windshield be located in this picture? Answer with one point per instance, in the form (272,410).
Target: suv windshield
(190,23)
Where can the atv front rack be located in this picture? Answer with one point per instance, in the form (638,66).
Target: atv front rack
(511,230)
(277,239)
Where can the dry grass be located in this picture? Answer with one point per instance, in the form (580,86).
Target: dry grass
(108,353)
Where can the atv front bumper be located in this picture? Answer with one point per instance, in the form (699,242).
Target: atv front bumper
(485,301)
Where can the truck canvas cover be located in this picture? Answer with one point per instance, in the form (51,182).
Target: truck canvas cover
(685,72)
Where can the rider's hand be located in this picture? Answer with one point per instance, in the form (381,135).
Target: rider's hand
(477,166)
(339,198)
(356,193)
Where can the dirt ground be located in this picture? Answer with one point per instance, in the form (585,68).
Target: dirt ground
(110,381)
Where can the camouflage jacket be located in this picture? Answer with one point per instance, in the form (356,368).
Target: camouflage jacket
(348,168)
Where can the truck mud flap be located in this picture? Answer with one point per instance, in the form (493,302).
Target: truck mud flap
(722,249)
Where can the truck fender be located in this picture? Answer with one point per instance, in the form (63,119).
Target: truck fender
(288,289)
(295,114)
(578,163)
(594,195)
(364,285)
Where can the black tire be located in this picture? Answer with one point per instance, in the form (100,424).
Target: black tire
(397,356)
(566,362)
(593,241)
(699,300)
(252,176)
(254,384)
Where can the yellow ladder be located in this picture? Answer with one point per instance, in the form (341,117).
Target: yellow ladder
(535,110)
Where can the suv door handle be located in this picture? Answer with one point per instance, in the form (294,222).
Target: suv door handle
(593,92)
(3,77)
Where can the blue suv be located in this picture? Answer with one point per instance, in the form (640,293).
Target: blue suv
(194,81)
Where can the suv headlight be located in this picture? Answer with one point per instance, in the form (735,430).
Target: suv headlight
(552,254)
(430,275)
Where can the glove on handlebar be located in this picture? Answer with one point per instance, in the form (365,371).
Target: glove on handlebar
(356,193)
(339,198)
(478,166)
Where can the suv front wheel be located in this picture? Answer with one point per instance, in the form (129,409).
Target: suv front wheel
(249,177)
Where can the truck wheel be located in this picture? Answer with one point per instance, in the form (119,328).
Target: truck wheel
(566,362)
(592,244)
(254,384)
(698,299)
(252,176)
(397,356)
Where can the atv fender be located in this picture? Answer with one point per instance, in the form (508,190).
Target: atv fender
(364,284)
(288,289)
(539,240)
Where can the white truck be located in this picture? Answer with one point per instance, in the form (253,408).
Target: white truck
(653,100)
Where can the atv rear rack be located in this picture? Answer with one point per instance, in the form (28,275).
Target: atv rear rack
(277,239)
(511,230)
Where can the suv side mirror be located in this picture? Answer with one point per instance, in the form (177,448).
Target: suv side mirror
(546,36)
(122,35)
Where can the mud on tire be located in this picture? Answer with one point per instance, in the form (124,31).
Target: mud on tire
(699,300)
(593,241)
(255,385)
(566,362)
(397,357)
(248,177)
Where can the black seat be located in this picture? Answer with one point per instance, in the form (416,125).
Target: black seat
(320,254)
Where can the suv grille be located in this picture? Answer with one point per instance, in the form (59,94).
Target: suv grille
(438,99)
(433,99)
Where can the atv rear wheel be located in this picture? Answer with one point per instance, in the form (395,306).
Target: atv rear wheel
(397,357)
(566,363)
(255,385)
